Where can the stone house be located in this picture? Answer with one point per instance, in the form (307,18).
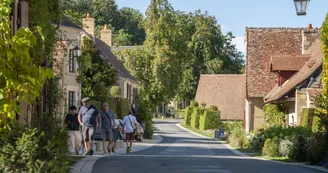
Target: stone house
(126,81)
(224,91)
(300,90)
(269,51)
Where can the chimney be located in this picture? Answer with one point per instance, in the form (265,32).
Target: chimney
(106,35)
(89,24)
(309,36)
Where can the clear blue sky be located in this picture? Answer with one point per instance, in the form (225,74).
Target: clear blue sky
(235,15)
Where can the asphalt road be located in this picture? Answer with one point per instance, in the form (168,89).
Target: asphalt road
(181,152)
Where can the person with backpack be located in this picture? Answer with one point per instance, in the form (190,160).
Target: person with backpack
(89,119)
(106,128)
(73,130)
(130,127)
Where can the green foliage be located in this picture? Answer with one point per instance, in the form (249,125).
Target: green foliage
(187,116)
(93,70)
(214,108)
(299,150)
(307,116)
(286,148)
(195,116)
(144,108)
(121,38)
(99,90)
(237,136)
(149,130)
(122,107)
(20,79)
(115,91)
(209,120)
(99,100)
(274,114)
(271,147)
(316,150)
(31,150)
(179,113)
(324,40)
(230,126)
(194,104)
(203,105)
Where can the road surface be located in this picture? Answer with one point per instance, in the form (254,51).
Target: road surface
(183,152)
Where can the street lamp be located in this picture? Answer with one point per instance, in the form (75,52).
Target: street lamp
(301,6)
(76,51)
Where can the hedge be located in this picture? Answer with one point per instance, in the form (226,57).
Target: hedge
(118,105)
(179,113)
(209,120)
(307,116)
(187,116)
(195,116)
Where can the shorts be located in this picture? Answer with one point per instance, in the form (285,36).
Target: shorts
(129,136)
(107,134)
(88,133)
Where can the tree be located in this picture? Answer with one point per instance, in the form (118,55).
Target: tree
(93,69)
(20,78)
(121,38)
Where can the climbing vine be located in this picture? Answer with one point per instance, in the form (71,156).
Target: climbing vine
(324,39)
(93,69)
(20,78)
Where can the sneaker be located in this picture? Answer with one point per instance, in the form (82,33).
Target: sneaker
(91,152)
(127,149)
(130,149)
(105,153)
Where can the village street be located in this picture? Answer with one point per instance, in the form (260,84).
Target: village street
(182,151)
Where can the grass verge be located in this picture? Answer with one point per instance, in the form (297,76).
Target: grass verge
(72,160)
(207,134)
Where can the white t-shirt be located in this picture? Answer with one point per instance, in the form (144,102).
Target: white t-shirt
(127,124)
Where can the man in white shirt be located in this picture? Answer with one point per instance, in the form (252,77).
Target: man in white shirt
(130,126)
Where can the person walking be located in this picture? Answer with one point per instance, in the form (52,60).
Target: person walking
(88,112)
(130,126)
(73,130)
(106,127)
(116,132)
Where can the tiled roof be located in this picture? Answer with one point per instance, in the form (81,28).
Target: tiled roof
(311,66)
(288,62)
(106,51)
(65,21)
(261,44)
(224,91)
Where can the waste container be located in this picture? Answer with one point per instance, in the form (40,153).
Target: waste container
(219,133)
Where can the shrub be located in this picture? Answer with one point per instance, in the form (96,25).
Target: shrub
(179,113)
(315,152)
(99,90)
(237,137)
(148,131)
(209,120)
(214,108)
(230,126)
(195,116)
(286,148)
(271,147)
(203,105)
(187,117)
(193,104)
(274,114)
(31,150)
(115,91)
(299,150)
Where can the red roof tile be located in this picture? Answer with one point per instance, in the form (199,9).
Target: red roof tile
(288,62)
(261,44)
(304,73)
(224,91)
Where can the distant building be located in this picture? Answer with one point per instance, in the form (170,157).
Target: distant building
(227,92)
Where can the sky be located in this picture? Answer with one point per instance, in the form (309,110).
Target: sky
(235,15)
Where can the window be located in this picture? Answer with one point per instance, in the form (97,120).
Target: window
(71,99)
(71,61)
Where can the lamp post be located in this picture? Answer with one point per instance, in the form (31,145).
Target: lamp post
(76,51)
(301,7)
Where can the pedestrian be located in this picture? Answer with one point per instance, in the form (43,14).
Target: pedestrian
(106,127)
(88,112)
(73,130)
(130,127)
(116,132)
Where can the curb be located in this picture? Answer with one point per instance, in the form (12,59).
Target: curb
(256,158)
(85,165)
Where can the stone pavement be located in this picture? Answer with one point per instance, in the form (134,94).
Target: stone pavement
(85,165)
